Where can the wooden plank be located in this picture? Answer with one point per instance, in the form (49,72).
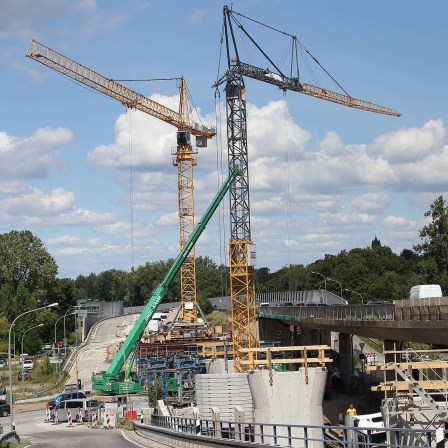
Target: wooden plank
(415,365)
(404,385)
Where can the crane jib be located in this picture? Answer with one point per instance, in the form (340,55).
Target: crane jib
(293,84)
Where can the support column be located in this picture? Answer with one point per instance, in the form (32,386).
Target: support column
(346,358)
(315,337)
(390,357)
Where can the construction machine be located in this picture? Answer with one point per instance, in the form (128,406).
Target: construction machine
(116,381)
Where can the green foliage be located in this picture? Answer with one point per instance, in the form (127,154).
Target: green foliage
(155,392)
(434,245)
(217,318)
(125,424)
(28,278)
(4,335)
(434,235)
(46,368)
(209,279)
(24,260)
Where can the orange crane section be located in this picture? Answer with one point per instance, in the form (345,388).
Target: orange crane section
(183,153)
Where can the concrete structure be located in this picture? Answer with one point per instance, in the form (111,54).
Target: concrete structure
(417,320)
(225,392)
(289,398)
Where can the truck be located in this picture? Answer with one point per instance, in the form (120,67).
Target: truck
(365,430)
(116,381)
(425,291)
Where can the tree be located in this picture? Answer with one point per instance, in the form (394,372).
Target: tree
(155,392)
(208,278)
(24,259)
(4,335)
(434,235)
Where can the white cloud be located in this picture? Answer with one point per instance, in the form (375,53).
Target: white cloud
(32,155)
(149,143)
(76,217)
(168,219)
(410,145)
(64,240)
(372,202)
(273,136)
(36,203)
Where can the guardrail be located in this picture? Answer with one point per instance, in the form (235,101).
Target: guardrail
(190,432)
(341,312)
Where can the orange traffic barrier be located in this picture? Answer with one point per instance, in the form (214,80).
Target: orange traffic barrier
(79,416)
(69,418)
(47,413)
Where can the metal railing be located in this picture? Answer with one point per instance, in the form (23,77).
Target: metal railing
(347,312)
(180,431)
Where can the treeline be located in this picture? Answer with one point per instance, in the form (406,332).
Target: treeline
(373,273)
(28,278)
(136,288)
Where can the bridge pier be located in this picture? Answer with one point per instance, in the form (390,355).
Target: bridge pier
(346,357)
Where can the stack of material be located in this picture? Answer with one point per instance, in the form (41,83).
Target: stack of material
(224,391)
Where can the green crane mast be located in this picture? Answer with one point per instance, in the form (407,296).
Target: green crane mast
(116,381)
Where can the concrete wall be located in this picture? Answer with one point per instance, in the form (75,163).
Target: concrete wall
(291,398)
(109,309)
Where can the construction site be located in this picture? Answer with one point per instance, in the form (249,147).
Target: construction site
(228,367)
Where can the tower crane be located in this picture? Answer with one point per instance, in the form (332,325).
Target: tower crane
(184,152)
(241,247)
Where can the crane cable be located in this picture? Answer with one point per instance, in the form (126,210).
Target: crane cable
(220,175)
(131,200)
(289,242)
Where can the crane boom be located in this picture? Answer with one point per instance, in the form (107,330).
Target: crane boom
(286,83)
(111,381)
(126,96)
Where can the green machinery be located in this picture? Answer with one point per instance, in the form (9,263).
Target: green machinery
(116,381)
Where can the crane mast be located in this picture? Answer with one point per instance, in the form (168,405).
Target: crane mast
(241,247)
(183,154)
(185,161)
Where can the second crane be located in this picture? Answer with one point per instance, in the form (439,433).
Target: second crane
(184,152)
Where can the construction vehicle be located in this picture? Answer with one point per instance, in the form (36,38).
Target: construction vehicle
(241,247)
(184,152)
(116,381)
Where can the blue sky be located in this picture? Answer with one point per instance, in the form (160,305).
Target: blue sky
(323,177)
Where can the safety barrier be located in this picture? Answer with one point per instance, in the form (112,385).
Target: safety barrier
(183,432)
(47,413)
(79,416)
(94,424)
(55,417)
(69,418)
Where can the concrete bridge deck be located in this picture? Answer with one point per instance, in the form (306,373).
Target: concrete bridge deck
(417,320)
